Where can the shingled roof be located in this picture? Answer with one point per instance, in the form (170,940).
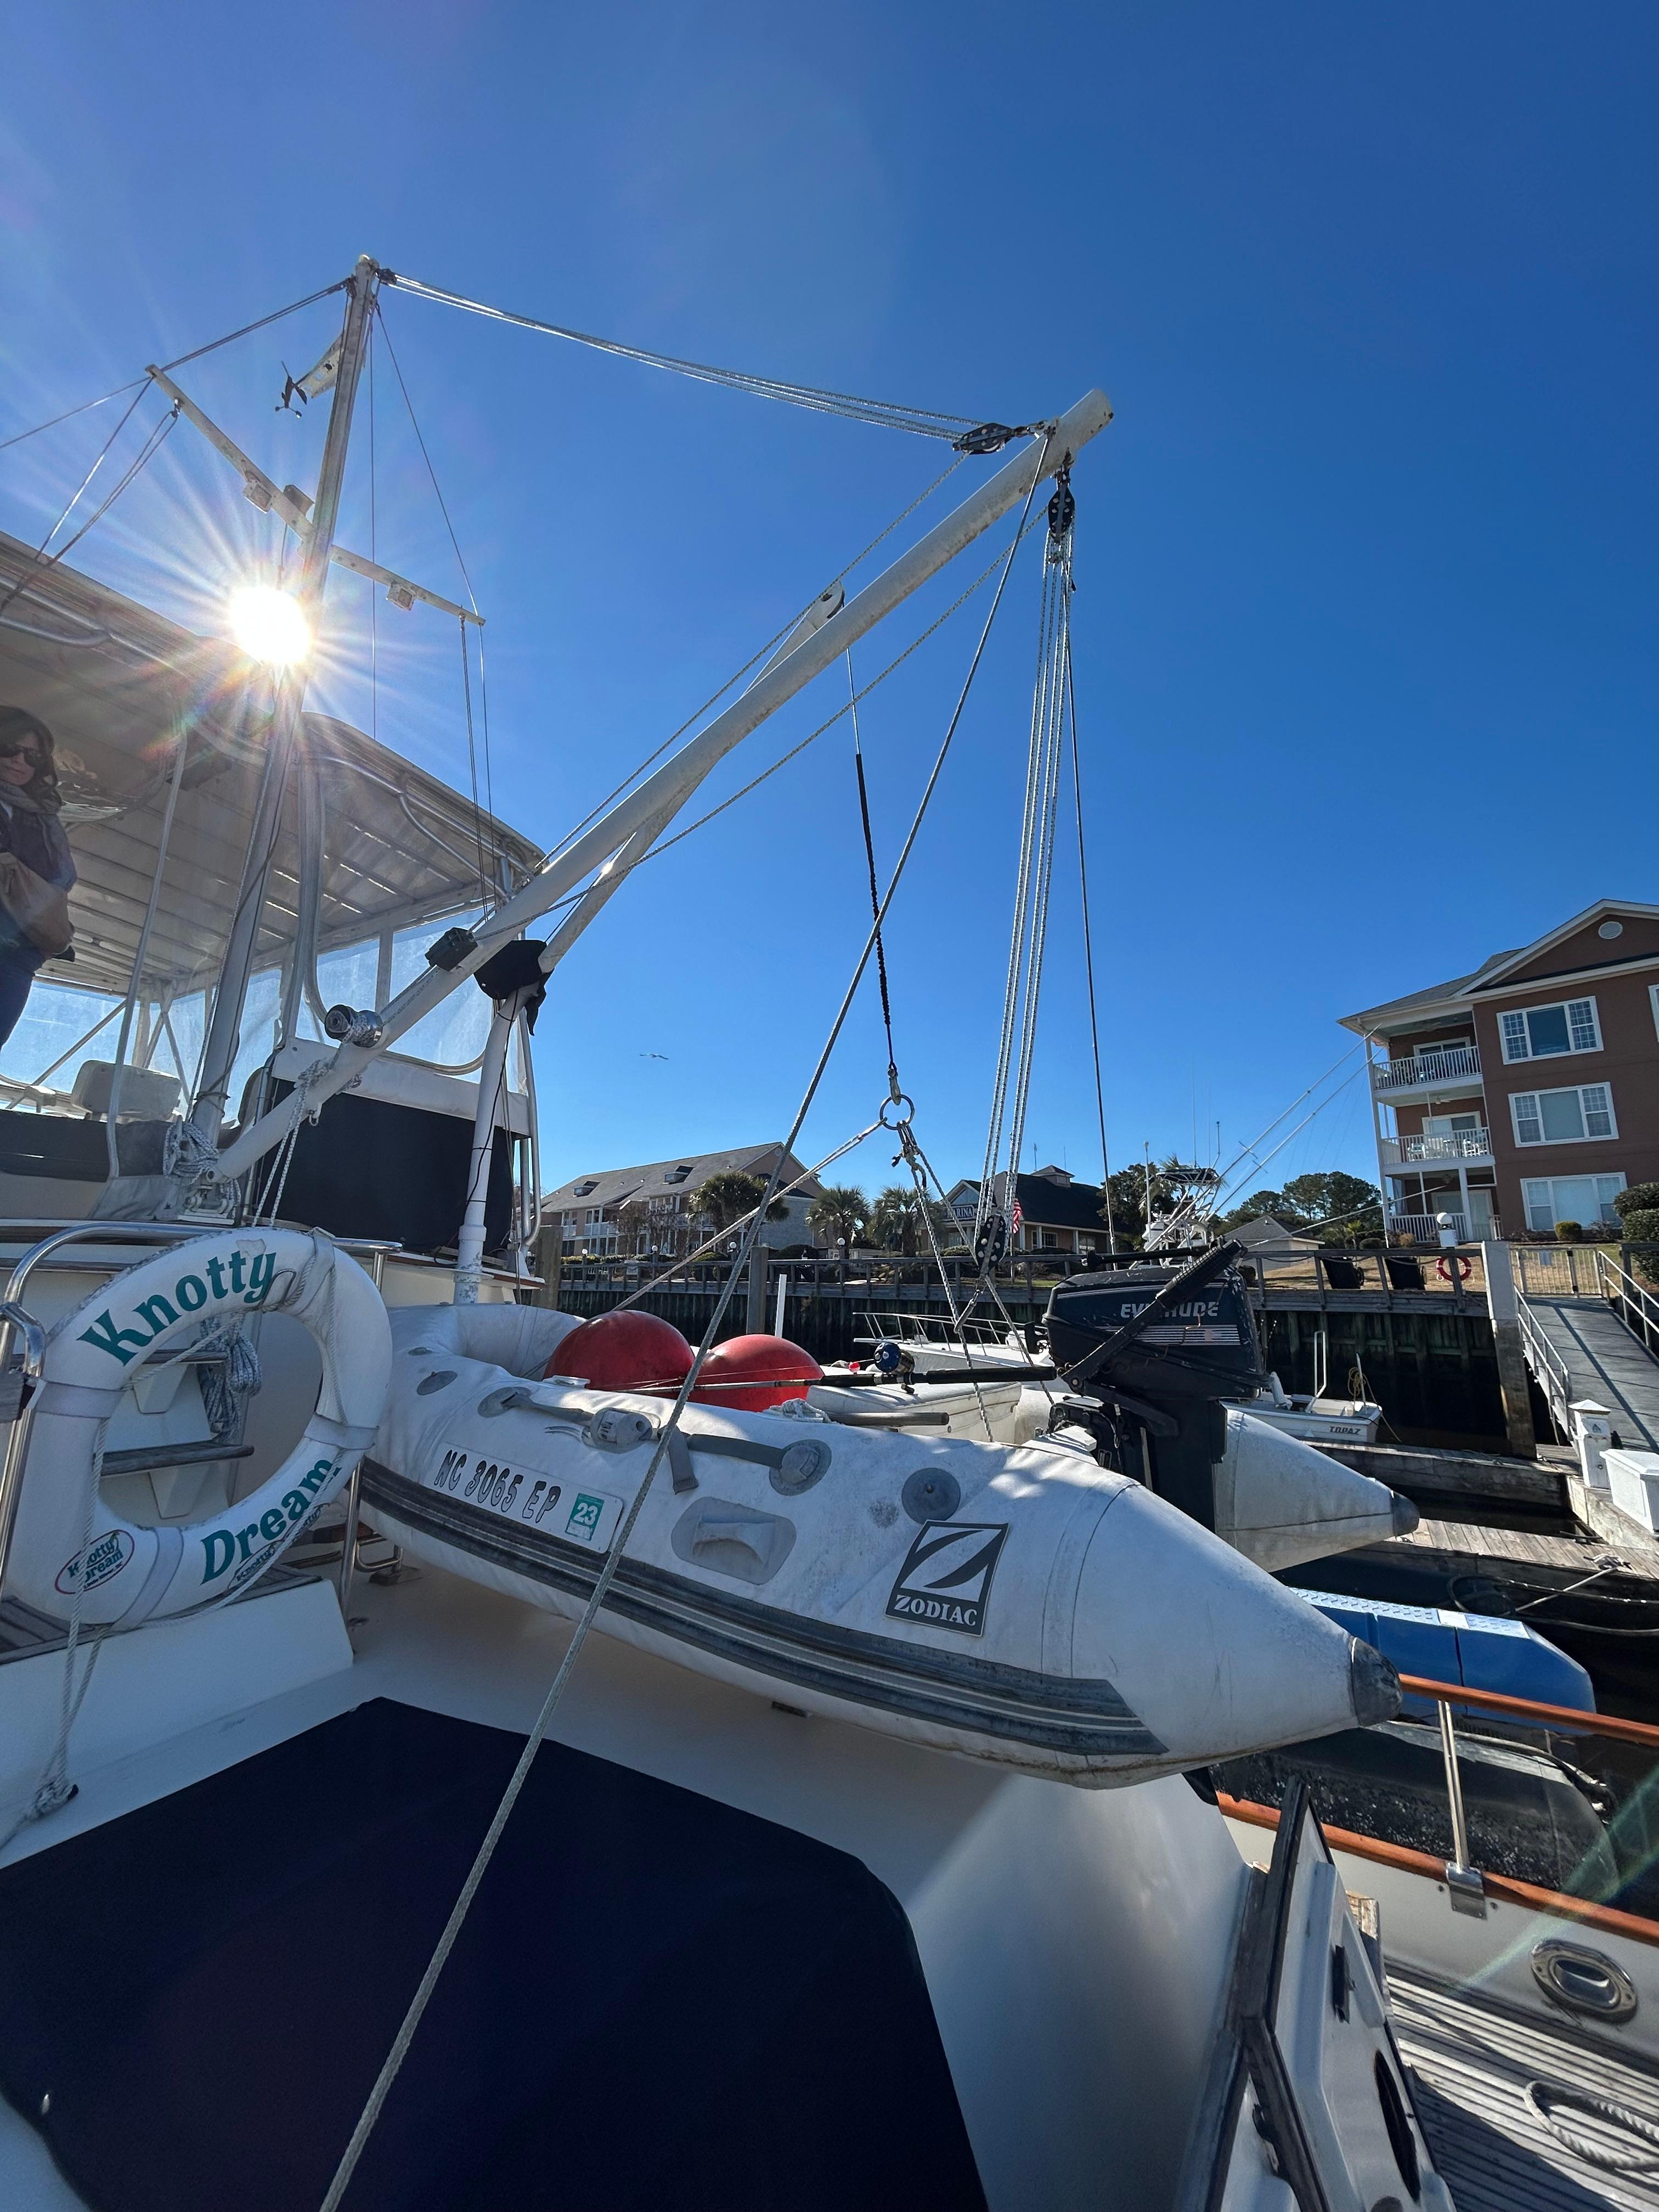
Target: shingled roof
(686,1172)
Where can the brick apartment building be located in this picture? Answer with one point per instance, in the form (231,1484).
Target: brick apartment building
(1528,1092)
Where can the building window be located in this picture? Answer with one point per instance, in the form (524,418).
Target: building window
(581,1189)
(1563,1117)
(1540,1032)
(1587,1200)
(1653,993)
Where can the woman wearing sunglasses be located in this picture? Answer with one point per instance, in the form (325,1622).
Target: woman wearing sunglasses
(35,867)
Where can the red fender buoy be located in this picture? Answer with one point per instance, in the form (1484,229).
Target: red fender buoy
(624,1351)
(751,1374)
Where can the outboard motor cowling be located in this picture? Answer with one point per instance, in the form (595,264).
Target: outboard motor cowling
(1162,1350)
(1166,1348)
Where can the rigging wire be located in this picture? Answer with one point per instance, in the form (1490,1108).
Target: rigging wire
(146,452)
(607,1573)
(759,654)
(466,578)
(963,430)
(247,329)
(812,736)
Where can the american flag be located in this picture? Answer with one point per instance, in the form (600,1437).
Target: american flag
(1018,1219)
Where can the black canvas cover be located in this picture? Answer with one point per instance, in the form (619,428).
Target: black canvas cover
(372,1168)
(657,2001)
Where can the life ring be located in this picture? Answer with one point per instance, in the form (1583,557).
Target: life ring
(132,1573)
(1448,1261)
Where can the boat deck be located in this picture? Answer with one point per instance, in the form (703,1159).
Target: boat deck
(1472,2062)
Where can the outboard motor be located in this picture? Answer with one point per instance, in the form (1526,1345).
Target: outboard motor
(1158,1351)
(1165,1348)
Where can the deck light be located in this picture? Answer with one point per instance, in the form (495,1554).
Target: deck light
(268,626)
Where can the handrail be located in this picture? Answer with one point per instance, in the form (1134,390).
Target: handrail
(1547,1364)
(1504,1888)
(1467,1888)
(1621,1299)
(1529,1709)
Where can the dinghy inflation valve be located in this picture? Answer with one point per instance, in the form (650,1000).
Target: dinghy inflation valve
(1372,1684)
(354,1025)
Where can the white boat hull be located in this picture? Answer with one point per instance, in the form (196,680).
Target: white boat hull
(1017,1604)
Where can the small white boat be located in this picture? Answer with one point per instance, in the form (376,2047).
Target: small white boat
(1319,1419)
(1017,1602)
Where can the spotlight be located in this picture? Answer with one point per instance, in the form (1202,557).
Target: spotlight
(268,625)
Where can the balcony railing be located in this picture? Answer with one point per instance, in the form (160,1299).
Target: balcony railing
(1454,1145)
(1457,1064)
(1424,1228)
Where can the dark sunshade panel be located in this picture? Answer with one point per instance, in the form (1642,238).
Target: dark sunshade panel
(658,2001)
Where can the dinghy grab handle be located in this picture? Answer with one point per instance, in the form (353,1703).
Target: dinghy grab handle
(67,1543)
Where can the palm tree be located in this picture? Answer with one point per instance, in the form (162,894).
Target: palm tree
(839,1213)
(898,1218)
(728,1196)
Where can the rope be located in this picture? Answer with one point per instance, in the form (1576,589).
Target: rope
(963,430)
(1546,2099)
(607,1575)
(1089,951)
(875,896)
(1017,1043)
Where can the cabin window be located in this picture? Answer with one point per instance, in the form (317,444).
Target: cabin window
(1540,1032)
(1563,1117)
(453,1034)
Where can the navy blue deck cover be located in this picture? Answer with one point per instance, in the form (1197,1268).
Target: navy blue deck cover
(658,2001)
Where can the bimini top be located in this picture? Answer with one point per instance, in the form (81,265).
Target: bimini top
(114,681)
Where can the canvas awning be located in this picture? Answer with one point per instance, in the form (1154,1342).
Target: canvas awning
(114,683)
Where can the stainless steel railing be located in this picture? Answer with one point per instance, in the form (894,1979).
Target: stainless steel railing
(1636,1307)
(1547,1364)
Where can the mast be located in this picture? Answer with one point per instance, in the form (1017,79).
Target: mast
(224,1030)
(661,796)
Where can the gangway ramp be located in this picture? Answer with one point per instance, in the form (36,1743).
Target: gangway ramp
(1594,1356)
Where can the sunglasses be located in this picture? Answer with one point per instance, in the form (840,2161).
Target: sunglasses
(19,749)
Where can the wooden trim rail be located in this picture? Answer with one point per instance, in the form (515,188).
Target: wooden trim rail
(1528,1894)
(1500,1886)
(1526,1709)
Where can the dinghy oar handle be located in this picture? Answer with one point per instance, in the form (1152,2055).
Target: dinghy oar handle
(1188,1280)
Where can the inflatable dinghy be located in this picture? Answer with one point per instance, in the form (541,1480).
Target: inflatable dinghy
(1019,1604)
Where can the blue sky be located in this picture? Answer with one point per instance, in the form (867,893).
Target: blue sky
(1365,635)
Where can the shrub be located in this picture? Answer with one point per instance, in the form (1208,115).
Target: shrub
(1642,1224)
(1567,1232)
(1641,1198)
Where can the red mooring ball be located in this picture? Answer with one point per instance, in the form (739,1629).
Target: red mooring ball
(624,1351)
(748,1374)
